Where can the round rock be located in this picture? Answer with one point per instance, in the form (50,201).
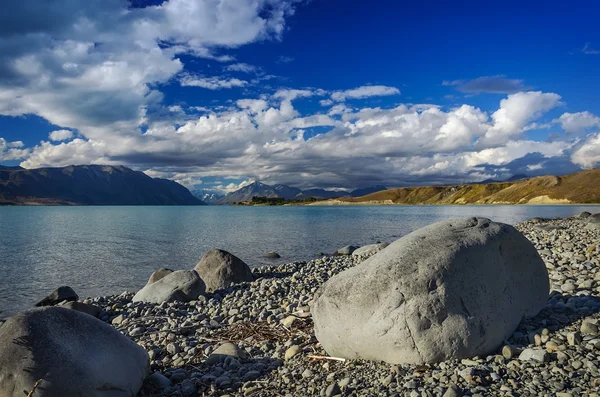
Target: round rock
(72,353)
(219,269)
(451,290)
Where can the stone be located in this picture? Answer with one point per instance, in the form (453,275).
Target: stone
(219,269)
(588,328)
(272,255)
(333,390)
(584,215)
(574,338)
(347,250)
(86,308)
(292,351)
(159,274)
(454,289)
(534,354)
(180,285)
(71,352)
(369,249)
(452,391)
(509,352)
(158,380)
(221,353)
(58,295)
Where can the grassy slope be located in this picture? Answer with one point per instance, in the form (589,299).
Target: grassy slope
(581,187)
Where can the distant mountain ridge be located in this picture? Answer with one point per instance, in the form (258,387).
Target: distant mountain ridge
(89,185)
(258,189)
(577,188)
(207,196)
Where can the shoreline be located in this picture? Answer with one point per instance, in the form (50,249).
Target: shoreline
(269,323)
(180,337)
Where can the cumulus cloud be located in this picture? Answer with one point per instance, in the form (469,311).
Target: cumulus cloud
(267,139)
(577,122)
(364,91)
(498,84)
(95,66)
(211,83)
(60,135)
(515,112)
(587,154)
(12,150)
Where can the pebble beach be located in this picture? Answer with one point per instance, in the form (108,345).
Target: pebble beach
(256,338)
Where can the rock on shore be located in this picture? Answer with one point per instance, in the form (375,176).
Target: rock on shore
(61,352)
(453,289)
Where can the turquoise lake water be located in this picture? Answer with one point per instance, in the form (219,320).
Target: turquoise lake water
(107,250)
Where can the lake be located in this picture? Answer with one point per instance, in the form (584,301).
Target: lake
(107,250)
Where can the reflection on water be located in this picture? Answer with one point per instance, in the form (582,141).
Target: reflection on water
(106,250)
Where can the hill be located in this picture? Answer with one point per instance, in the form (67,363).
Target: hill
(578,188)
(89,185)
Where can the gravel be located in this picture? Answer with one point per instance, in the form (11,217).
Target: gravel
(556,353)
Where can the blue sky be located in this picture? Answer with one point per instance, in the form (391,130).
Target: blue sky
(336,94)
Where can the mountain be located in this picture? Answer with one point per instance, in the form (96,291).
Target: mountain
(207,196)
(367,190)
(8,168)
(257,189)
(287,192)
(324,194)
(578,188)
(89,185)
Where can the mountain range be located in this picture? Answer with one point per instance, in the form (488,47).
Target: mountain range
(578,188)
(258,189)
(89,185)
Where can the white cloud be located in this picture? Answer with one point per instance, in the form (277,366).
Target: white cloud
(211,83)
(364,92)
(12,150)
(241,67)
(515,112)
(577,122)
(588,154)
(60,135)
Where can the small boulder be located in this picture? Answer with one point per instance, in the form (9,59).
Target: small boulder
(180,285)
(219,269)
(347,250)
(370,249)
(451,290)
(86,308)
(227,349)
(159,274)
(73,355)
(584,215)
(272,255)
(58,295)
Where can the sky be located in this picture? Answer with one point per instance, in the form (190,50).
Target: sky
(325,93)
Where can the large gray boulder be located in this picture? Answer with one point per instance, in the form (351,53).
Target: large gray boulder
(450,290)
(219,269)
(72,353)
(180,285)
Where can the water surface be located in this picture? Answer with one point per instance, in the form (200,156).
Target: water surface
(107,250)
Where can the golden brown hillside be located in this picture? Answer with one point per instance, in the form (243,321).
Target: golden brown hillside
(578,188)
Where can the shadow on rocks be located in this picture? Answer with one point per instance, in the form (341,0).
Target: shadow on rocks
(230,375)
(562,311)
